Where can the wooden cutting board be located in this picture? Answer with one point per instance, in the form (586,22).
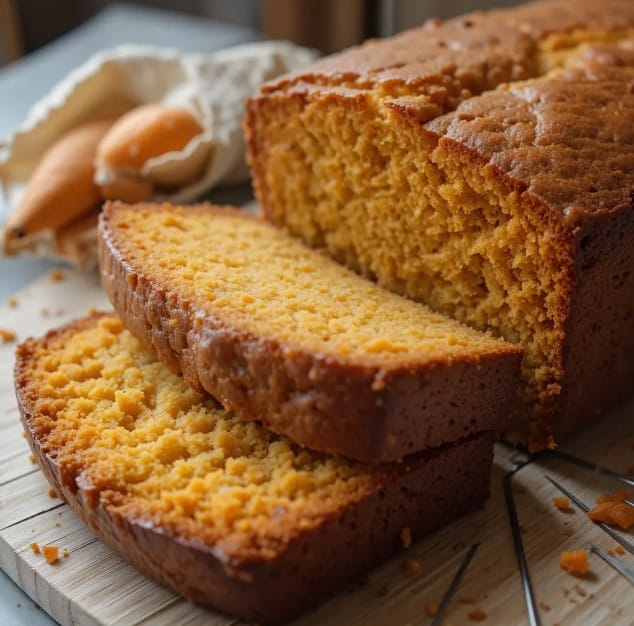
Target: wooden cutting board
(94,586)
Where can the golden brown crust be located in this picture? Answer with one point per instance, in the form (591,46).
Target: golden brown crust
(325,403)
(481,49)
(427,490)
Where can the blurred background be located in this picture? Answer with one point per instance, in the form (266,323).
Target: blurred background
(328,25)
(41,41)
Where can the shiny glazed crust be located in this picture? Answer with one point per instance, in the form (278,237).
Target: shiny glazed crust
(426,491)
(316,400)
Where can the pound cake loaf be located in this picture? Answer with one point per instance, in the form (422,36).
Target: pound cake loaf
(220,510)
(509,208)
(280,333)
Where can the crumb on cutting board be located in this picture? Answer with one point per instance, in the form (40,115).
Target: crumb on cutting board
(575,562)
(51,554)
(12,302)
(32,459)
(57,276)
(619,549)
(477,615)
(7,336)
(563,504)
(613,512)
(35,547)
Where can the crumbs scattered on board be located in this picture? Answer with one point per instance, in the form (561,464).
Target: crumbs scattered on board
(7,336)
(57,276)
(51,553)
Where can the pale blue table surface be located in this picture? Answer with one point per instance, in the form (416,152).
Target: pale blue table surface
(24,82)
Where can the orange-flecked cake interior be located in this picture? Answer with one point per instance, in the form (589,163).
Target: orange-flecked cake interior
(249,274)
(129,428)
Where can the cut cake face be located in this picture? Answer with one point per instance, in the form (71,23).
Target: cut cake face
(281,333)
(222,511)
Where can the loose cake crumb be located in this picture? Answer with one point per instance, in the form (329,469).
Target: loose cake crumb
(51,554)
(23,435)
(613,513)
(411,567)
(45,312)
(58,525)
(563,504)
(12,302)
(580,591)
(7,335)
(477,615)
(544,607)
(35,547)
(57,276)
(65,553)
(52,493)
(575,562)
(406,537)
(431,608)
(32,458)
(619,549)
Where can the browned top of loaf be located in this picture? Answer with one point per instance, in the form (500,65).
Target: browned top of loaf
(567,138)
(480,49)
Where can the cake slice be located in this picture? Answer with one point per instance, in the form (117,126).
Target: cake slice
(222,511)
(280,333)
(509,209)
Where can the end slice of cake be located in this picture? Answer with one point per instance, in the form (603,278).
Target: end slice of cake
(223,511)
(280,333)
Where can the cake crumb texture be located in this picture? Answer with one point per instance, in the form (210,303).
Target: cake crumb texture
(283,334)
(225,512)
(458,163)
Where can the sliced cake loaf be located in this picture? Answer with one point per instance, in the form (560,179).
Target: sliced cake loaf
(281,333)
(222,511)
(512,213)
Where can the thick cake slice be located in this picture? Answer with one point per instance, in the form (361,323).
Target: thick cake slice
(281,333)
(508,209)
(222,511)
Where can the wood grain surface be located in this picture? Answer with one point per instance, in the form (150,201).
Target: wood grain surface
(94,586)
